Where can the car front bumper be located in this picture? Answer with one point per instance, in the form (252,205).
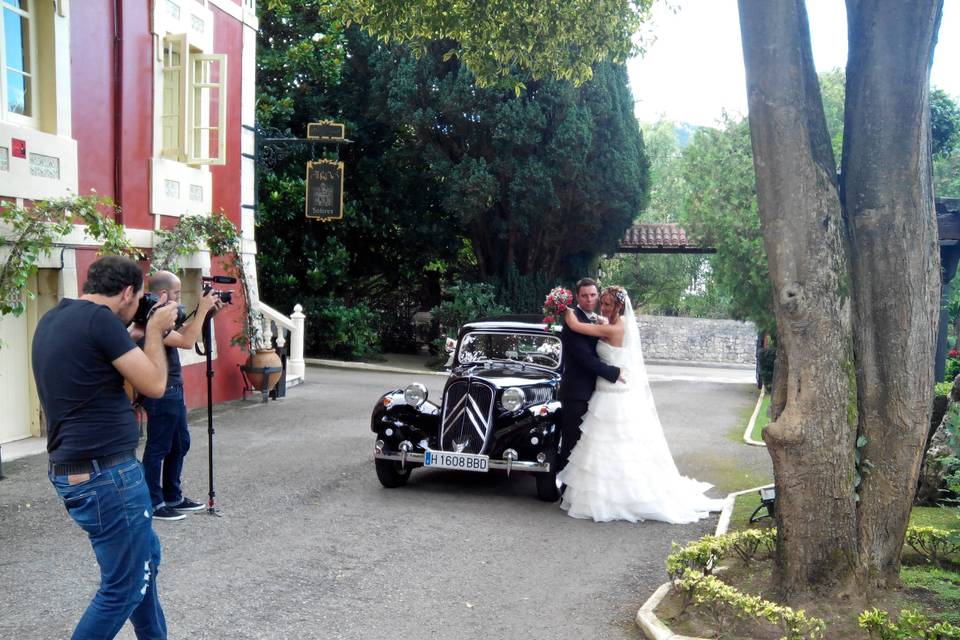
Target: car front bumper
(493,463)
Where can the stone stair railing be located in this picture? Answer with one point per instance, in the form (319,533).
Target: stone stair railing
(275,324)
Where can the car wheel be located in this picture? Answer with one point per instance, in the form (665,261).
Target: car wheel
(390,474)
(547,487)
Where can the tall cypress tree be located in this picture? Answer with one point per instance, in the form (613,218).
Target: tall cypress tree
(541,183)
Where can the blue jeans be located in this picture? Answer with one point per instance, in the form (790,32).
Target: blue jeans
(113,508)
(168,440)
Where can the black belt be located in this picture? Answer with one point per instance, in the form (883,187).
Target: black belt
(87,466)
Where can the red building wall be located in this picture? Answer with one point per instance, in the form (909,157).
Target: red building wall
(102,134)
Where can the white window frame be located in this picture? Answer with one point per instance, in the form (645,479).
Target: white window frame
(180,103)
(11,116)
(191,114)
(200,98)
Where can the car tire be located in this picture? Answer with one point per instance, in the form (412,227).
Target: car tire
(547,487)
(390,474)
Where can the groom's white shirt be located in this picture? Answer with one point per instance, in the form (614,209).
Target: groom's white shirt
(592,317)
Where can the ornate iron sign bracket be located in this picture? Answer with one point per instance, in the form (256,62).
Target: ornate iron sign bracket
(324,193)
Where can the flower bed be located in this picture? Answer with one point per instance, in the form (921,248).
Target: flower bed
(700,599)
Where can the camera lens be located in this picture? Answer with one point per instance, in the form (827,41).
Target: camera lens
(147,302)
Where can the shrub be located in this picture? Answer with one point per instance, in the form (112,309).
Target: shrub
(336,329)
(690,569)
(942,388)
(394,323)
(521,293)
(724,601)
(935,545)
(952,368)
(469,302)
(705,553)
(701,556)
(911,624)
(748,542)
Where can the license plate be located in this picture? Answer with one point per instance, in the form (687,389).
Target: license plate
(461,461)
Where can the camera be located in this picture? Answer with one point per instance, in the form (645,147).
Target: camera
(226,296)
(145,308)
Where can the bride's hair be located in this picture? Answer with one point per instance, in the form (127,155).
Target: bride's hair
(618,293)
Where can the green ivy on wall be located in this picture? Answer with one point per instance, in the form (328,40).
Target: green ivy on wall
(218,235)
(28,233)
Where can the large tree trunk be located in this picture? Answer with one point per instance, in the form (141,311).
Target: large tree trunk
(888,200)
(873,378)
(812,441)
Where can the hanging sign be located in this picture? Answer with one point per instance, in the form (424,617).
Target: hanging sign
(324,198)
(325,130)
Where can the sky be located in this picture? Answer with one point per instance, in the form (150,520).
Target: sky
(694,69)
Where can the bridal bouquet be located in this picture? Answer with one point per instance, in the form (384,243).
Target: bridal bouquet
(555,304)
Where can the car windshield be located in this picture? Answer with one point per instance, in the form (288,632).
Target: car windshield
(528,348)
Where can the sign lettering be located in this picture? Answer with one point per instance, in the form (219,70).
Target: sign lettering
(324,198)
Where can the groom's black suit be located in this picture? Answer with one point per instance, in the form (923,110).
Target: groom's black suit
(581,367)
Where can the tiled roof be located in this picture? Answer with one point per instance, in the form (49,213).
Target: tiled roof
(659,238)
(655,235)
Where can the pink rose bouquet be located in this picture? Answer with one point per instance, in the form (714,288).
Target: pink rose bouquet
(555,304)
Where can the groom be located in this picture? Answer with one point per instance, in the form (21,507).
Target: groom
(581,366)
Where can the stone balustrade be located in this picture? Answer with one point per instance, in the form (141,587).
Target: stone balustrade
(273,323)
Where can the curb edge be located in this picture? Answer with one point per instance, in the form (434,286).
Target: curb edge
(753,420)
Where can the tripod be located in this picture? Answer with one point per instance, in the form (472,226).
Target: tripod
(208,352)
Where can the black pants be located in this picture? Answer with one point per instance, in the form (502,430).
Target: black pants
(572,416)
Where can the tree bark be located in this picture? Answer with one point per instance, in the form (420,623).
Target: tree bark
(888,199)
(856,295)
(778,391)
(812,441)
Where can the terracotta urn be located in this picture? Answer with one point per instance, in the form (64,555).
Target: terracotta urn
(260,359)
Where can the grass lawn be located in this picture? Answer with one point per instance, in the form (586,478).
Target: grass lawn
(939,517)
(762,419)
(946,519)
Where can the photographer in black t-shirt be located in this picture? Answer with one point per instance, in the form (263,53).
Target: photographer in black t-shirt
(81,355)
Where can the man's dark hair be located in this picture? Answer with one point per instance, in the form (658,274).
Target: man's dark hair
(110,275)
(585,282)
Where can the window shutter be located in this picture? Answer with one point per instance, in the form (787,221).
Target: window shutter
(173,118)
(207,119)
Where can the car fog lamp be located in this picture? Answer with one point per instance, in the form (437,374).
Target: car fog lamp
(512,399)
(388,431)
(533,440)
(415,394)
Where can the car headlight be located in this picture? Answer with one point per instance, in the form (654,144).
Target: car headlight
(415,394)
(513,398)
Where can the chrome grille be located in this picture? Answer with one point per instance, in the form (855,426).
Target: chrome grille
(467,416)
(539,395)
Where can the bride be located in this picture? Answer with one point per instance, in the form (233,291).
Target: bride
(621,469)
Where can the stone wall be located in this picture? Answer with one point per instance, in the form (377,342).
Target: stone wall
(698,339)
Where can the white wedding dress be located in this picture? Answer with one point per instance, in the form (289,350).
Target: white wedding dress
(621,468)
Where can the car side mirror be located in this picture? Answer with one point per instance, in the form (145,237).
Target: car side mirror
(451,345)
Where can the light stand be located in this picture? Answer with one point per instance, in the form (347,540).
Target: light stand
(208,352)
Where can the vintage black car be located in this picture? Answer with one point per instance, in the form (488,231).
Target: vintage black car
(499,409)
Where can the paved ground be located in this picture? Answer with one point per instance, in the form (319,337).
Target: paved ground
(310,545)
